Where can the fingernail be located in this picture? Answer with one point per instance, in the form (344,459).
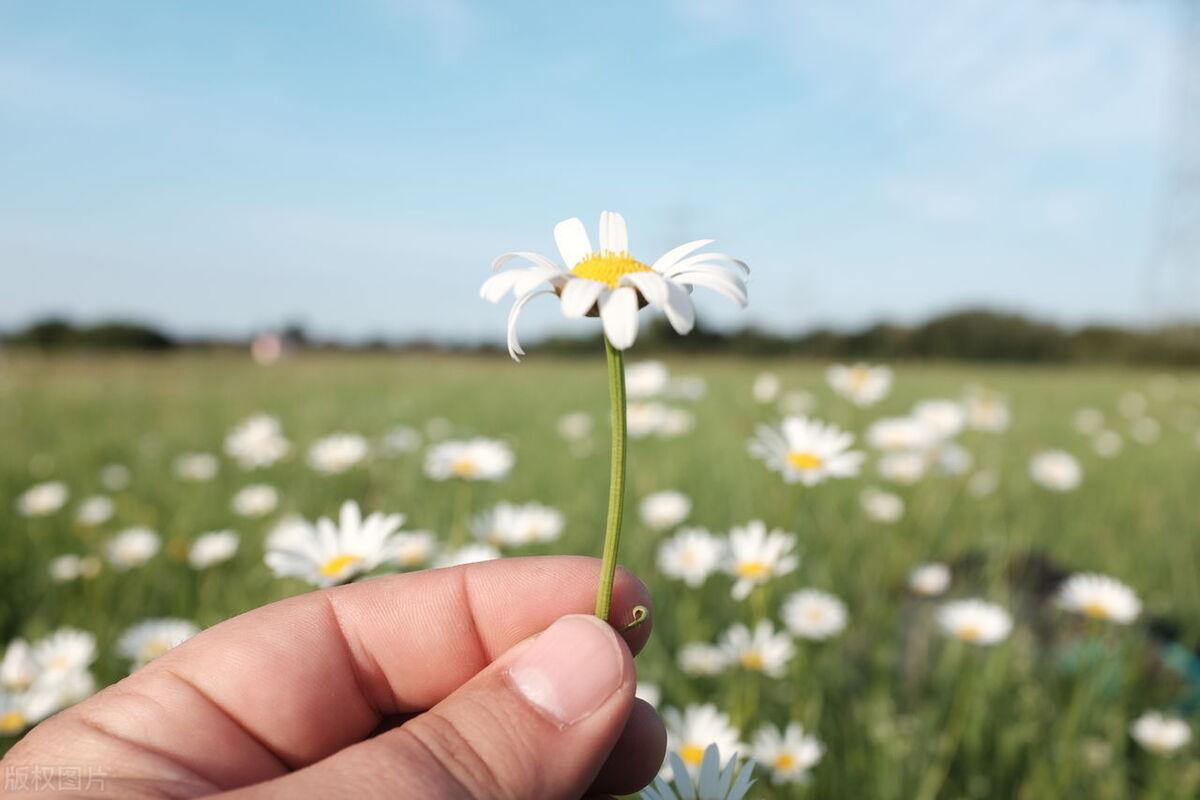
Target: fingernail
(570,670)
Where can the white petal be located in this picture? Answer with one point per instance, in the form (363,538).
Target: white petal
(618,312)
(652,286)
(614,236)
(704,258)
(499,285)
(514,346)
(572,240)
(530,279)
(679,309)
(729,286)
(536,258)
(669,258)
(579,295)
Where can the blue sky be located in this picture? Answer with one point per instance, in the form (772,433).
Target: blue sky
(224,166)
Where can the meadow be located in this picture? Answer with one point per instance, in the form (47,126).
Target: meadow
(901,710)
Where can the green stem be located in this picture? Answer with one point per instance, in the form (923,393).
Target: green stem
(616,486)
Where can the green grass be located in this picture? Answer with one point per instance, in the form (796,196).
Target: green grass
(903,713)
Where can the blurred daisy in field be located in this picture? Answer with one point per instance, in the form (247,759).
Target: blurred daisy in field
(944,419)
(575,426)
(712,781)
(338,452)
(196,467)
(287,532)
(666,509)
(691,555)
(702,659)
(63,652)
(646,379)
(132,547)
(1160,733)
(255,500)
(797,403)
(1146,430)
(611,283)
(467,554)
(329,552)
(765,388)
(648,692)
(904,468)
(975,621)
(115,477)
(813,614)
(1088,421)
(1099,597)
(18,668)
(95,510)
(151,638)
(401,439)
(657,419)
(1107,444)
(789,753)
(512,525)
(986,411)
(70,567)
(929,580)
(412,549)
(807,451)
(257,441)
(754,556)
(983,483)
(895,434)
(687,387)
(951,458)
(1132,405)
(676,422)
(477,459)
(761,650)
(1056,470)
(213,548)
(43,499)
(881,506)
(691,731)
(861,384)
(21,710)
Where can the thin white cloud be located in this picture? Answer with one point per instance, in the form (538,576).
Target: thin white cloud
(453,26)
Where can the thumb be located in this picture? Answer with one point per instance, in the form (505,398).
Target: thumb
(538,722)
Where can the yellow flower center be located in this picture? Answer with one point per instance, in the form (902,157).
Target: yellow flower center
(692,754)
(804,460)
(153,649)
(464,467)
(858,378)
(785,761)
(752,659)
(339,564)
(1096,610)
(608,267)
(970,633)
(753,569)
(12,722)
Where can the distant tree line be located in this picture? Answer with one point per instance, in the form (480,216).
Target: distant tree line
(969,335)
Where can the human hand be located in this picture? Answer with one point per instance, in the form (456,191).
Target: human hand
(463,682)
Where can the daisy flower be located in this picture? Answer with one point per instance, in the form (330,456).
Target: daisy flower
(975,621)
(95,510)
(69,567)
(702,659)
(1107,444)
(1099,597)
(806,451)
(402,439)
(986,411)
(691,555)
(20,710)
(511,525)
(765,388)
(983,483)
(575,426)
(43,499)
(329,552)
(648,692)
(18,668)
(881,506)
(115,477)
(894,434)
(196,467)
(412,549)
(255,500)
(611,283)
(467,554)
(663,510)
(754,556)
(148,640)
(1160,733)
(813,614)
(1056,470)
(944,419)
(63,652)
(646,379)
(337,453)
(903,468)
(789,753)
(861,384)
(477,459)
(1088,421)
(212,548)
(929,580)
(712,782)
(257,442)
(691,731)
(132,547)
(761,650)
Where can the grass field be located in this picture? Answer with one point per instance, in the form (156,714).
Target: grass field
(902,711)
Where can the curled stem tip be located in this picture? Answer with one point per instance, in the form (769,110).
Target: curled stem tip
(641,615)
